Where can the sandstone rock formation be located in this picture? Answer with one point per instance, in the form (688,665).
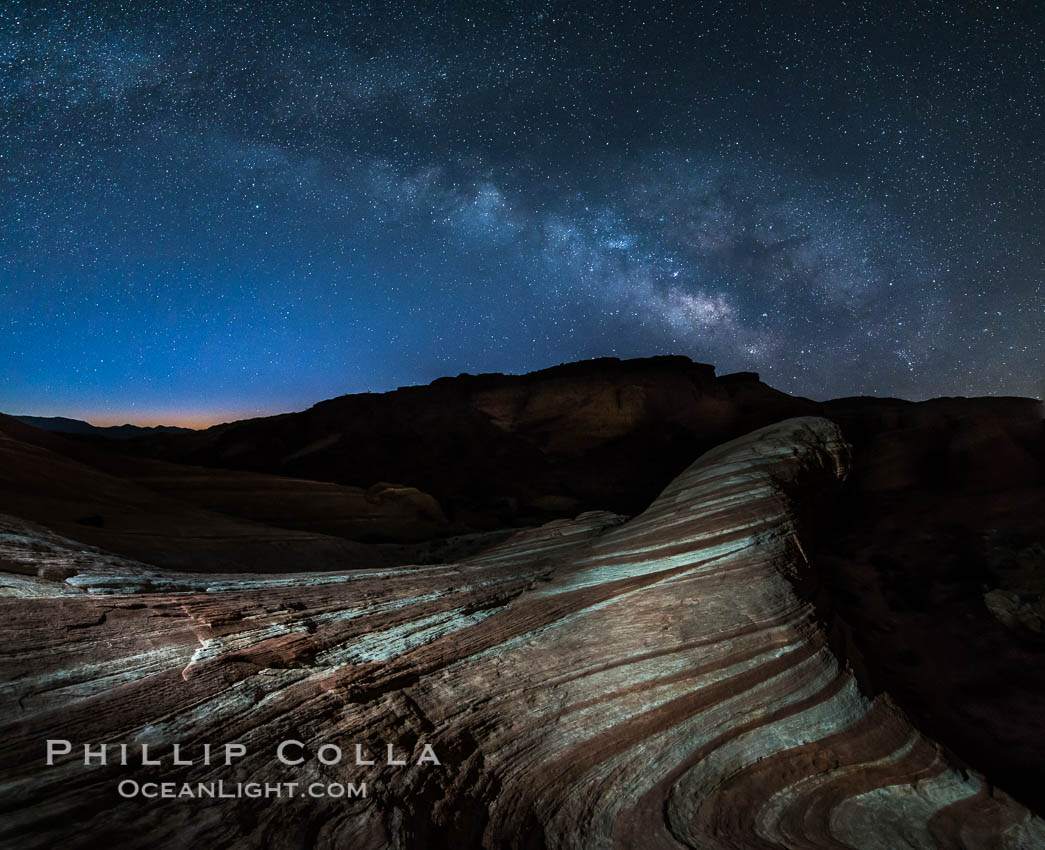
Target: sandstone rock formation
(674,680)
(931,555)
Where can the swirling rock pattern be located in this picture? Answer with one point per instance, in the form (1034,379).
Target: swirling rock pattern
(662,682)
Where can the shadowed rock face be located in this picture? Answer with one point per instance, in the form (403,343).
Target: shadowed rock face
(505,450)
(668,681)
(516,450)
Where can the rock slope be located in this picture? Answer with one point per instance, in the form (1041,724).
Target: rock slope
(199,519)
(669,681)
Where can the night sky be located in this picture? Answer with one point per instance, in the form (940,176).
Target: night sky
(216,210)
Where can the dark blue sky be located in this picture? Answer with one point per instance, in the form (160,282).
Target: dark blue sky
(213,211)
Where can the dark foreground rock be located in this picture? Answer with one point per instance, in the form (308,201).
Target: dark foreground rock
(676,680)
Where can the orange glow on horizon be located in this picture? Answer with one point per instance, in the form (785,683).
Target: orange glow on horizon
(196,419)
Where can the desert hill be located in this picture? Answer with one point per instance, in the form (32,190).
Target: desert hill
(511,450)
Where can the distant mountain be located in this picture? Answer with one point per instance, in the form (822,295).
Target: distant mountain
(63,425)
(501,451)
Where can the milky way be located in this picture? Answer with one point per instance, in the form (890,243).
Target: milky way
(224,210)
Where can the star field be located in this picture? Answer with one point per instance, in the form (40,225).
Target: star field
(214,210)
